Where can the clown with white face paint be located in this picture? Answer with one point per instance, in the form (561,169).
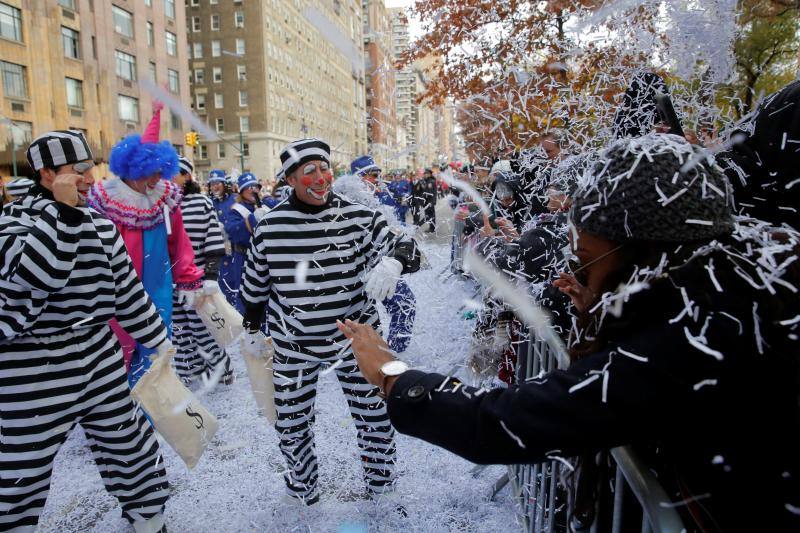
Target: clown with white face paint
(317,258)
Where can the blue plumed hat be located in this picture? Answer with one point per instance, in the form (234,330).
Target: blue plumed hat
(363,165)
(138,156)
(247,179)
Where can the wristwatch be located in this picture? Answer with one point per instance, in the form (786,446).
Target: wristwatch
(391,369)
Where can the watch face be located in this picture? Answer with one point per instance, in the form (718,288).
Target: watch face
(394,368)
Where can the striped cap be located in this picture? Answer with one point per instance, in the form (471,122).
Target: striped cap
(185,165)
(57,148)
(303,151)
(19,187)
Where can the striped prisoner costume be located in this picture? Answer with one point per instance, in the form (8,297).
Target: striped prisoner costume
(197,351)
(341,241)
(64,273)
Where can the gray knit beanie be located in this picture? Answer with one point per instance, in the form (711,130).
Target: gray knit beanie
(654,188)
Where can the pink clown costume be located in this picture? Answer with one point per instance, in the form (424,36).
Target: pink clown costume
(151,225)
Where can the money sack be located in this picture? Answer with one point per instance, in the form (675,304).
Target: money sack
(184,423)
(259,370)
(222,320)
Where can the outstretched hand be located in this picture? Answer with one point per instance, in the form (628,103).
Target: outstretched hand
(370,349)
(582,297)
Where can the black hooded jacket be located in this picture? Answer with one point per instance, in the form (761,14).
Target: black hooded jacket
(725,423)
(764,169)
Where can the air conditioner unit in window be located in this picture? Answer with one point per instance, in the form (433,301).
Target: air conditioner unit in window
(67,14)
(16,106)
(76,112)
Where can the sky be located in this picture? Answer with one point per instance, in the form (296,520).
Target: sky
(414,27)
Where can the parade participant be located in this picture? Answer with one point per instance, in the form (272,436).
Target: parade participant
(65,274)
(197,352)
(220,192)
(402,306)
(145,207)
(18,188)
(400,188)
(239,227)
(352,258)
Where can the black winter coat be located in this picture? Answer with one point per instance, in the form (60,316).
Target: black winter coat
(728,427)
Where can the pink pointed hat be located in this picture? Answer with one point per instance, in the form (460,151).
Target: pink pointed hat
(153,130)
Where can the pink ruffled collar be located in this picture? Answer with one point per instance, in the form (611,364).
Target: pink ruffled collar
(128,208)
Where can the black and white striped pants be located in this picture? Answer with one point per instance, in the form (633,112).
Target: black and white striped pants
(49,384)
(197,351)
(295,393)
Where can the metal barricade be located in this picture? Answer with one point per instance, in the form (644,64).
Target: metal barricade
(545,504)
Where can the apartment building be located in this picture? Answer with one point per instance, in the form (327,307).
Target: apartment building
(264,75)
(380,83)
(76,64)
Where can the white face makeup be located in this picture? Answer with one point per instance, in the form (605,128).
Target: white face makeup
(317,186)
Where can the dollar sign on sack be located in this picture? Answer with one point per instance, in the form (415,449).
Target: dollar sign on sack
(218,320)
(197,416)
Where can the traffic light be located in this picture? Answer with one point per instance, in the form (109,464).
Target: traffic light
(192,139)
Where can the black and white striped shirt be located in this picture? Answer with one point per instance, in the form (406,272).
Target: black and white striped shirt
(203,227)
(63,269)
(340,241)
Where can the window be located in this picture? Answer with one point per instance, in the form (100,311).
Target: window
(128,108)
(218,100)
(148,3)
(175,121)
(217,74)
(172,44)
(220,125)
(240,46)
(202,152)
(241,72)
(173,81)
(216,49)
(195,3)
(238,19)
(212,2)
(15,80)
(153,75)
(71,42)
(195,24)
(221,151)
(169,8)
(10,22)
(242,98)
(200,102)
(123,21)
(214,22)
(74,93)
(246,149)
(244,124)
(151,36)
(197,50)
(69,4)
(126,65)
(199,76)
(21,133)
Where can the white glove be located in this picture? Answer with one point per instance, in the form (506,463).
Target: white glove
(254,344)
(261,212)
(209,287)
(382,280)
(186,298)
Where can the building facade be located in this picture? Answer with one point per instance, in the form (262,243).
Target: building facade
(263,74)
(380,83)
(76,64)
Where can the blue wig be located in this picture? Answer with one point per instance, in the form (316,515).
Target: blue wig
(132,159)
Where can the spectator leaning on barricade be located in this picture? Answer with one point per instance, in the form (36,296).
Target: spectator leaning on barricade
(692,348)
